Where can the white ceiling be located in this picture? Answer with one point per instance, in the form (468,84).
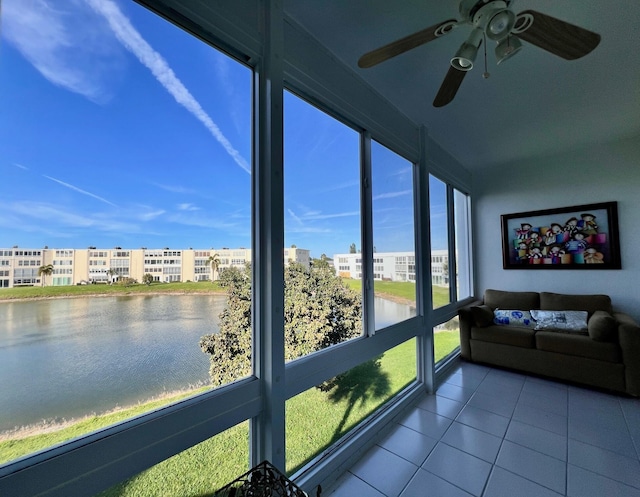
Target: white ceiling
(534,104)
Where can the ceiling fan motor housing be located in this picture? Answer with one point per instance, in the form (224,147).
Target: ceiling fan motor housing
(492,16)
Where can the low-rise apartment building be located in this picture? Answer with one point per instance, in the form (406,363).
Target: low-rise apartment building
(393,266)
(21,267)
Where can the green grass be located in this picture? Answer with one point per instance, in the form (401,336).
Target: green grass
(12,449)
(29,292)
(401,289)
(315,419)
(445,342)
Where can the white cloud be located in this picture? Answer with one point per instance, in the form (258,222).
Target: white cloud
(138,46)
(57,40)
(342,186)
(84,192)
(188,207)
(393,194)
(294,216)
(215,223)
(333,216)
(175,188)
(21,166)
(48,212)
(58,219)
(149,216)
(307,229)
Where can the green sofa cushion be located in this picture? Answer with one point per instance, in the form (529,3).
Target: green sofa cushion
(603,327)
(578,345)
(482,315)
(512,300)
(562,302)
(506,335)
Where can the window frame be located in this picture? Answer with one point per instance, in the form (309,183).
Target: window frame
(94,462)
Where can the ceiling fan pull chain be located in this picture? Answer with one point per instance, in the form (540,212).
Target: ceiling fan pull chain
(485,74)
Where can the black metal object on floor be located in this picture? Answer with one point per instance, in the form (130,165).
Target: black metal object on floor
(263,480)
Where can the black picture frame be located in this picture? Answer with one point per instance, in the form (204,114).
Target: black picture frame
(576,237)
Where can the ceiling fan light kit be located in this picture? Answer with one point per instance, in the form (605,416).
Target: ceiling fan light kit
(507,48)
(468,51)
(494,20)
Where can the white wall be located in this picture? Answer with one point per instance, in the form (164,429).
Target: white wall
(600,173)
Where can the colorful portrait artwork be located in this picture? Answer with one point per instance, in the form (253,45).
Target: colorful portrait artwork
(572,237)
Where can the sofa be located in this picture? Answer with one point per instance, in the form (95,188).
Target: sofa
(576,338)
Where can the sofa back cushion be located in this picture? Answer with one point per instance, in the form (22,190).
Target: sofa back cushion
(562,302)
(523,301)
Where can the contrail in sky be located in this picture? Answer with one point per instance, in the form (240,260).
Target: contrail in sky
(138,46)
(75,188)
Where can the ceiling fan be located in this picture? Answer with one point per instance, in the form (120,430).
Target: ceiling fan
(492,19)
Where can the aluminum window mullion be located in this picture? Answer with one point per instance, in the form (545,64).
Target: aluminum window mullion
(451,245)
(424,297)
(366,203)
(268,428)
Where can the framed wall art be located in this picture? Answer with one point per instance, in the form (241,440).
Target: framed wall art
(578,237)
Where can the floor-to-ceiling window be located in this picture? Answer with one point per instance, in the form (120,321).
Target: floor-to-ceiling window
(180,165)
(451,267)
(121,158)
(322,218)
(394,237)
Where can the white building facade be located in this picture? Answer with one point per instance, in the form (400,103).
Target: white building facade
(20,267)
(393,266)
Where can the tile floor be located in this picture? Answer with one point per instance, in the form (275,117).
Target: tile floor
(494,433)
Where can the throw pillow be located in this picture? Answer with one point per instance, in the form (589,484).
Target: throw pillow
(603,327)
(482,315)
(510,317)
(568,321)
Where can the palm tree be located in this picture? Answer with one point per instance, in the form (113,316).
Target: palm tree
(111,273)
(46,270)
(214,262)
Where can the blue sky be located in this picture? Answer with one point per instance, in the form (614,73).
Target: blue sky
(119,129)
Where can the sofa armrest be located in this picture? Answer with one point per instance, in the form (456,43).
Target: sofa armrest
(629,339)
(466,322)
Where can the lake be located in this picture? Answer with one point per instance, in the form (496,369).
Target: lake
(66,358)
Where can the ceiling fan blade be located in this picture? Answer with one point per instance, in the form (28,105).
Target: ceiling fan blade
(558,37)
(407,43)
(449,87)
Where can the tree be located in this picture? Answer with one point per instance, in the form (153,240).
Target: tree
(230,348)
(323,262)
(46,270)
(147,279)
(214,262)
(111,272)
(352,248)
(319,311)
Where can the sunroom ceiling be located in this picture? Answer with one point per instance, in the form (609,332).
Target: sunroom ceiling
(532,105)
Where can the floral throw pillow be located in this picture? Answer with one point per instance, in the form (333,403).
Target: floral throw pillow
(506,317)
(567,321)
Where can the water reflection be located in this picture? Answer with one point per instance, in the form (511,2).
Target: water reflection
(388,312)
(67,358)
(93,354)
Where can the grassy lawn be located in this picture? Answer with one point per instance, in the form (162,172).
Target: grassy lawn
(315,419)
(403,289)
(28,292)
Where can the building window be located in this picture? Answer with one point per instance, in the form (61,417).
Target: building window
(438,212)
(164,128)
(317,208)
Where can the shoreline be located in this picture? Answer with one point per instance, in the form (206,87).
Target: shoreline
(53,425)
(110,294)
